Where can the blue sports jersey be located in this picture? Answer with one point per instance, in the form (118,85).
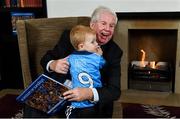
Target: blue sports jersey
(85,72)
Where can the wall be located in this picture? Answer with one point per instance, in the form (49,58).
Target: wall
(63,8)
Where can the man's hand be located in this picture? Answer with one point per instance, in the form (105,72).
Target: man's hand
(60,66)
(78,94)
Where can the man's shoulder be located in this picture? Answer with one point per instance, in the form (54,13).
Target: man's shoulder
(111,45)
(66,32)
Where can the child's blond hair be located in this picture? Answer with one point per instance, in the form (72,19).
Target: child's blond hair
(78,34)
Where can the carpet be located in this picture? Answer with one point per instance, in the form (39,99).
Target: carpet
(132,110)
(9,107)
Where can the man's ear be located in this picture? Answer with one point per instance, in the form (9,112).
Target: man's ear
(92,25)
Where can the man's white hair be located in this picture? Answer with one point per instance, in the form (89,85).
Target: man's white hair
(99,10)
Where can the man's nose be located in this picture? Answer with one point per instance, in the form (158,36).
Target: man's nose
(107,27)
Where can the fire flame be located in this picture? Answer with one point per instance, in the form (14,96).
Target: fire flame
(152,63)
(143,58)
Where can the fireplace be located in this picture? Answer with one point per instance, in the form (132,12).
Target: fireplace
(159,47)
(157,35)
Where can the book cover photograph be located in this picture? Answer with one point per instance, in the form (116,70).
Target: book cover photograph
(20,16)
(44,94)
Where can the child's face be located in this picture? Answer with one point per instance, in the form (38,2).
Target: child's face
(90,43)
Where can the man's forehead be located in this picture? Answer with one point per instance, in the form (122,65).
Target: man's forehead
(113,22)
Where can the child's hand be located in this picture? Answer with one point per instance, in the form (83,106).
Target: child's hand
(99,50)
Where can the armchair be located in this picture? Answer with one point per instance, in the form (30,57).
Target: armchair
(36,36)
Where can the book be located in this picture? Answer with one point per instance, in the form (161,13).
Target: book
(20,16)
(44,94)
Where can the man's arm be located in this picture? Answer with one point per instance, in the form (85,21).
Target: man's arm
(61,50)
(111,88)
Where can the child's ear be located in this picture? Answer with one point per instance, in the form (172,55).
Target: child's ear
(80,46)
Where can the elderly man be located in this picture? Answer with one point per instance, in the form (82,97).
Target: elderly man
(55,64)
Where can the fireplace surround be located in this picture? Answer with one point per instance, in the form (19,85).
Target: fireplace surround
(157,33)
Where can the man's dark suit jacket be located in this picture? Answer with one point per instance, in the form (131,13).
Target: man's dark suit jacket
(110,73)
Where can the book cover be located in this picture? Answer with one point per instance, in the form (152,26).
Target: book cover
(20,16)
(44,94)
